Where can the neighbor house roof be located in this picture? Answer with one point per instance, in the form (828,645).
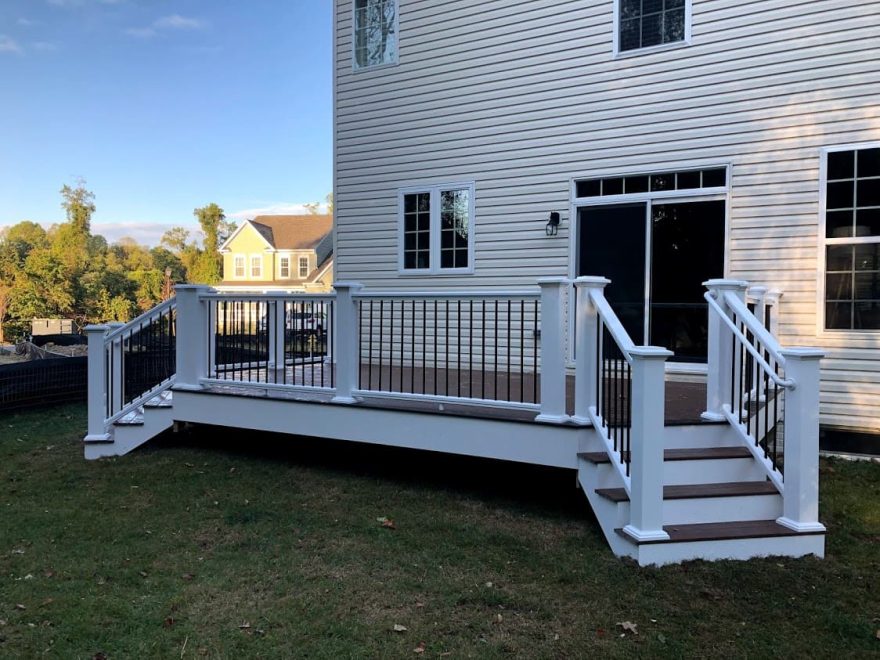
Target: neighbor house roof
(293,232)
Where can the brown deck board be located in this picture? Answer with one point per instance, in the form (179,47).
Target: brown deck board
(696,491)
(689,454)
(745,529)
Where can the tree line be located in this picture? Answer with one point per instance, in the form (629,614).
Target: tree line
(68,272)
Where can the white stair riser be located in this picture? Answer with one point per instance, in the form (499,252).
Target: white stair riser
(129,437)
(721,509)
(718,471)
(694,436)
(740,549)
(610,516)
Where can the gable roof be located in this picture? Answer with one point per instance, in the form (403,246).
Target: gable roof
(287,232)
(293,232)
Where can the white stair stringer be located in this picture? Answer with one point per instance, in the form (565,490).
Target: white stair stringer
(135,429)
(717,502)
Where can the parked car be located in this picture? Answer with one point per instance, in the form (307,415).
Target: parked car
(310,323)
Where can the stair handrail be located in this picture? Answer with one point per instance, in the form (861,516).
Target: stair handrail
(151,313)
(635,443)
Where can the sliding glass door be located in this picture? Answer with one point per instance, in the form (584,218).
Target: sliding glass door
(657,256)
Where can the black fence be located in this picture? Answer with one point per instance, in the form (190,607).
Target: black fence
(43,382)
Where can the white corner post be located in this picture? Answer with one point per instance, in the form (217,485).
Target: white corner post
(97,391)
(721,350)
(348,345)
(586,340)
(646,467)
(276,319)
(193,336)
(800,510)
(552,351)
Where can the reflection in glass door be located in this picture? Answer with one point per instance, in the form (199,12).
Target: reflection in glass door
(657,256)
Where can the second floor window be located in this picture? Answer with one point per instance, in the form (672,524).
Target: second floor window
(256,266)
(239,266)
(375,33)
(646,23)
(285,267)
(303,267)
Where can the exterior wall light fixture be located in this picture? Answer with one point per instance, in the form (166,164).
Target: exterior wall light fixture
(553,224)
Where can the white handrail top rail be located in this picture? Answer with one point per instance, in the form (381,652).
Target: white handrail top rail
(755,326)
(146,316)
(532,295)
(782,382)
(615,327)
(256,297)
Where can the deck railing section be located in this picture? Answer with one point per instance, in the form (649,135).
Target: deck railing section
(129,364)
(472,346)
(764,392)
(620,390)
(279,340)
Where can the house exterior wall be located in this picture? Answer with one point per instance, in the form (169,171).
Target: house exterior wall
(248,242)
(521,97)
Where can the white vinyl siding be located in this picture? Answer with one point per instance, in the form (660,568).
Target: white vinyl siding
(765,86)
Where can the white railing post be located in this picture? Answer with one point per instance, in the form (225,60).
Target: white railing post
(801,444)
(193,335)
(721,351)
(552,351)
(97,390)
(348,359)
(117,356)
(276,320)
(646,467)
(586,336)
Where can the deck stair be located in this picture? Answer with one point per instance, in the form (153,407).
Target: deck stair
(135,428)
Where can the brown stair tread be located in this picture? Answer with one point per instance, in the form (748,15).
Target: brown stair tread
(745,529)
(689,454)
(694,491)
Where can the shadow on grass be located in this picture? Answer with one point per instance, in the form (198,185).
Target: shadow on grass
(528,488)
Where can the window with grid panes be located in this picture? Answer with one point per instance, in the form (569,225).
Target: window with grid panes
(437,229)
(375,33)
(646,23)
(852,236)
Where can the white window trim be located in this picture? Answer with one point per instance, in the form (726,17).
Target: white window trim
(281,275)
(821,331)
(690,195)
(244,271)
(299,268)
(615,44)
(251,267)
(434,191)
(373,67)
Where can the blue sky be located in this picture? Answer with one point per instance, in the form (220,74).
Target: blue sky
(163,106)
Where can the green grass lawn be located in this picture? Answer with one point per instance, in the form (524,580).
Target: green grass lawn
(236,544)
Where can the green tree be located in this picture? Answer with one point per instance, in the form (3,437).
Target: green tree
(208,267)
(79,205)
(329,200)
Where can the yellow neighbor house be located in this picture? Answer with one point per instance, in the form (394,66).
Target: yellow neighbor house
(280,253)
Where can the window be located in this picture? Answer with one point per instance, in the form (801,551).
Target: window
(436,229)
(852,238)
(256,266)
(303,267)
(375,33)
(285,267)
(647,23)
(695,180)
(239,265)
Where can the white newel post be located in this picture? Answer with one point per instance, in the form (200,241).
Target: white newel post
(97,394)
(801,449)
(586,328)
(552,351)
(117,356)
(347,348)
(721,358)
(192,336)
(646,467)
(276,325)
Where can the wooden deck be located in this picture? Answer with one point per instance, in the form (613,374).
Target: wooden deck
(393,388)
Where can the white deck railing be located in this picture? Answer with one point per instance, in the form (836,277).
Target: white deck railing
(770,397)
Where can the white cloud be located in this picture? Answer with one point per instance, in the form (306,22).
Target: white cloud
(178,22)
(274,209)
(9,45)
(145,233)
(166,24)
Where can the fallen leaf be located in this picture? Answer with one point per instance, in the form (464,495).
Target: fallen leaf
(628,626)
(399,628)
(49,574)
(28,577)
(99,656)
(499,619)
(19,606)
(385,522)
(168,622)
(18,551)
(419,604)
(188,577)
(420,648)
(245,626)
(48,601)
(143,574)
(600,632)
(877,634)
(489,584)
